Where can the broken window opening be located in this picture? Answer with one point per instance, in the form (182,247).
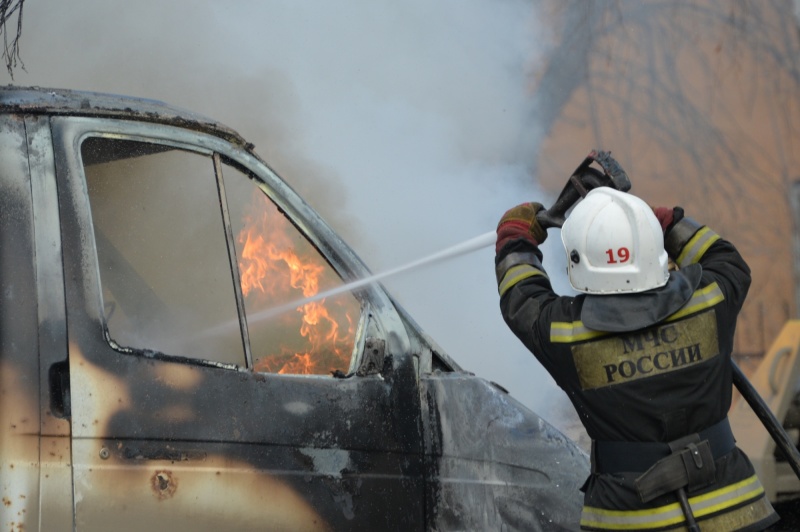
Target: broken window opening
(166,275)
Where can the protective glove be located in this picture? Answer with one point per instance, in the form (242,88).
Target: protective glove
(521,222)
(667,216)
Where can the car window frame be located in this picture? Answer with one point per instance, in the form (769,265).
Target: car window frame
(376,307)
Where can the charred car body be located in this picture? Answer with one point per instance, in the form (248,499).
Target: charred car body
(143,388)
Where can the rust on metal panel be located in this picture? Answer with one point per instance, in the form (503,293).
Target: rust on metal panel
(20,408)
(162,494)
(164,484)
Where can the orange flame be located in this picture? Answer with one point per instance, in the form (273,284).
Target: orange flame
(273,268)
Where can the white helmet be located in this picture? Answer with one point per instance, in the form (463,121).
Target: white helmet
(614,244)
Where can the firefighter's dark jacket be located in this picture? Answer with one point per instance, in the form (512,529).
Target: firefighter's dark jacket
(645,368)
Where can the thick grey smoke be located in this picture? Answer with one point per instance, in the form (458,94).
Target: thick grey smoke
(399,121)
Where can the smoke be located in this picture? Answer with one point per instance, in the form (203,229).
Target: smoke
(399,121)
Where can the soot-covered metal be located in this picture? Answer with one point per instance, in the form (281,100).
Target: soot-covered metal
(111,421)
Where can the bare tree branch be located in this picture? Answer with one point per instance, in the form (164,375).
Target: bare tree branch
(697,96)
(11,45)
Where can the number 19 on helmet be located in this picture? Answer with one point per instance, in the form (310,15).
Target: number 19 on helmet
(614,244)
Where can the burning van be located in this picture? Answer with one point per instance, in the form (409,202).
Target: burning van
(145,383)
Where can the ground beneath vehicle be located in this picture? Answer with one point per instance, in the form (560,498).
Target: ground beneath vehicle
(141,387)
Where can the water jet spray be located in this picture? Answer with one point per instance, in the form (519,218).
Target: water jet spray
(468,246)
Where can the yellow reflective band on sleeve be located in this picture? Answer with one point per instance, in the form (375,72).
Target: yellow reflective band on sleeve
(568,332)
(696,247)
(703,505)
(702,299)
(517,274)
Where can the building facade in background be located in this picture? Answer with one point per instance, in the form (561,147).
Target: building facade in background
(699,103)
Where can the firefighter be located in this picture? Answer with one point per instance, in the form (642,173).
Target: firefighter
(644,354)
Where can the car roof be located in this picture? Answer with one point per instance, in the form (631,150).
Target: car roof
(37,100)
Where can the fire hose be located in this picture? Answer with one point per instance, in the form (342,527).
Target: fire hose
(584,179)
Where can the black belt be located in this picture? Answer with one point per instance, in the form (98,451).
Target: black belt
(627,456)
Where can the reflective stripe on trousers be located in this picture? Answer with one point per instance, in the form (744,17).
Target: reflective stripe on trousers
(745,500)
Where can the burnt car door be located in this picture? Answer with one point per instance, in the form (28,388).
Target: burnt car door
(207,389)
